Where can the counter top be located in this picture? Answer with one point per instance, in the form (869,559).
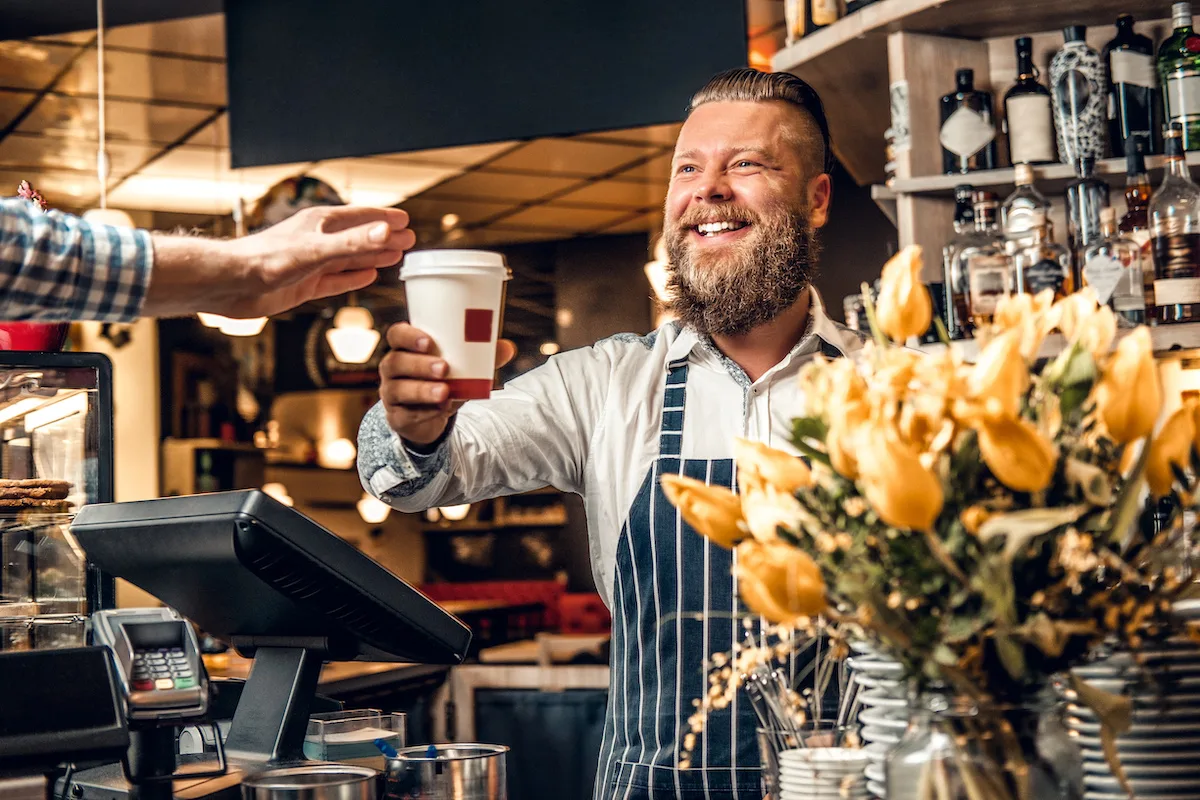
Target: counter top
(338,676)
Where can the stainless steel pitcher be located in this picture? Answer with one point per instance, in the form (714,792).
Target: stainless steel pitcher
(448,772)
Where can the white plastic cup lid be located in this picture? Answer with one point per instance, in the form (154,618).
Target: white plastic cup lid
(429,263)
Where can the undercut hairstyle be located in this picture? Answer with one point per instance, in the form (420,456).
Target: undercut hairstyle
(811,135)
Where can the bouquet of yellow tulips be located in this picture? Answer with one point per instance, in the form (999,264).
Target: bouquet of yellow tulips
(981,523)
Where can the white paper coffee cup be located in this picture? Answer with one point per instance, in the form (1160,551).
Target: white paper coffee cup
(456,296)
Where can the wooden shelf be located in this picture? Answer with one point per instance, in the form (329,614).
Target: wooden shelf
(1167,339)
(847,62)
(1050,179)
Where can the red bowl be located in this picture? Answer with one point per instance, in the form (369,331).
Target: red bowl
(41,336)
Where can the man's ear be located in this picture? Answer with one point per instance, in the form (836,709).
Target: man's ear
(819,193)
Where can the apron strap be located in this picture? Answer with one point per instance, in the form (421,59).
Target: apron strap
(670,440)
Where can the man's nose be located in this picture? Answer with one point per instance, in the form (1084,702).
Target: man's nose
(715,187)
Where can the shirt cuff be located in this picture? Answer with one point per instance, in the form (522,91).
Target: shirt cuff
(388,467)
(118,262)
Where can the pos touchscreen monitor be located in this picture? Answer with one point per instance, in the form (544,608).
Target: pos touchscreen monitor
(258,574)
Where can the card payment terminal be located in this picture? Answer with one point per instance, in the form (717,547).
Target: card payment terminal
(158,660)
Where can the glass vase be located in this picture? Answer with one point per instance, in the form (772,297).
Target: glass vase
(954,749)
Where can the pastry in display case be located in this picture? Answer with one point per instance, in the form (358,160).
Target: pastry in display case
(55,457)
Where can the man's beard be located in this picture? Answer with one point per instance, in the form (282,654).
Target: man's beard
(750,282)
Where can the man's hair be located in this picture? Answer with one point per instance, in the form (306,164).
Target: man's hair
(749,85)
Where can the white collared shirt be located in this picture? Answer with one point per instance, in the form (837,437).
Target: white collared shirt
(588,422)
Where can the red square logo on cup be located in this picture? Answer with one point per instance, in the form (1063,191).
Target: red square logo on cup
(479,325)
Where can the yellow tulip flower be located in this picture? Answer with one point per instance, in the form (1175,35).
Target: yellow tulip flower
(1020,457)
(903,308)
(778,581)
(757,461)
(1000,373)
(1128,395)
(897,485)
(714,512)
(1172,446)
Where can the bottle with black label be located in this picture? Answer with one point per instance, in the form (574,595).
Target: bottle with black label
(968,129)
(1044,264)
(1028,115)
(1175,236)
(1133,104)
(1135,224)
(1113,268)
(1179,74)
(1078,83)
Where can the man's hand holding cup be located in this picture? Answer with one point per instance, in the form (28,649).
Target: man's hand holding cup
(415,395)
(451,350)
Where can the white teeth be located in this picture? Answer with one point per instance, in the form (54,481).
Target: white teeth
(709,228)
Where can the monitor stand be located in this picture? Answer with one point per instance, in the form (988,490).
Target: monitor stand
(268,728)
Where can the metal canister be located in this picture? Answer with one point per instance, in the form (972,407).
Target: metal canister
(448,772)
(313,782)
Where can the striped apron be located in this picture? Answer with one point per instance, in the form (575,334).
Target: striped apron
(674,601)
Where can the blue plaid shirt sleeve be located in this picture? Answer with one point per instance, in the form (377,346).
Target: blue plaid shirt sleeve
(56,267)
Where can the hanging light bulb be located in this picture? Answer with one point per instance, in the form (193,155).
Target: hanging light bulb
(242,327)
(456,513)
(353,337)
(337,454)
(372,510)
(103,215)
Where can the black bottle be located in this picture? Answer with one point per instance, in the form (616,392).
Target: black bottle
(968,127)
(1028,115)
(1134,108)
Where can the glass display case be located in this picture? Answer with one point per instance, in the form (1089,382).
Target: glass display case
(55,456)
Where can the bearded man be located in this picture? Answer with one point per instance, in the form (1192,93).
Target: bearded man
(749,188)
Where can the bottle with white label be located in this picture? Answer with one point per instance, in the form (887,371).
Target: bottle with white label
(1043,264)
(1079,84)
(1017,214)
(968,129)
(1175,236)
(1113,268)
(1133,105)
(825,12)
(983,270)
(1179,74)
(1028,116)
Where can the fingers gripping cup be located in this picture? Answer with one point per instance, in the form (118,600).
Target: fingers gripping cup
(457,297)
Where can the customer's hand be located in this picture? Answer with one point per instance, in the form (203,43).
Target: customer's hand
(318,252)
(414,397)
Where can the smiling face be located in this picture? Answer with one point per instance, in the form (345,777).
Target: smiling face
(744,201)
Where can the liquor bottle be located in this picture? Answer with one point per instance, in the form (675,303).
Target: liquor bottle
(1086,195)
(1017,213)
(1179,74)
(1113,268)
(1135,224)
(1043,264)
(968,129)
(1133,107)
(1028,116)
(825,12)
(1175,236)
(958,325)
(982,270)
(1078,81)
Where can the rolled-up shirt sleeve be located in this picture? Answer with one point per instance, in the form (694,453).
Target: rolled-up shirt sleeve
(56,267)
(535,432)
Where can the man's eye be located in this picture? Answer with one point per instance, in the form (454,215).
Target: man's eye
(687,168)
(746,164)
